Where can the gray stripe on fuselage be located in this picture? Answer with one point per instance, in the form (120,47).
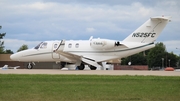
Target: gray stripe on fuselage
(111,51)
(38,54)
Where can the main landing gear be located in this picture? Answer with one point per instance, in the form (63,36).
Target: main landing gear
(82,66)
(92,67)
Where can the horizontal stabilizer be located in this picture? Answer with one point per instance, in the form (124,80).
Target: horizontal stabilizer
(161,18)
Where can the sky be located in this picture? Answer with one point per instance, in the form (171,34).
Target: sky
(32,21)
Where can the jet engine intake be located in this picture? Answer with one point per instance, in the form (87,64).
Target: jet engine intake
(102,44)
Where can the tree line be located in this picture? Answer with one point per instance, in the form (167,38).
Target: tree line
(155,57)
(8,51)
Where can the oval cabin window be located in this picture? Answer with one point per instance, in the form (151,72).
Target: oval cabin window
(77,45)
(70,45)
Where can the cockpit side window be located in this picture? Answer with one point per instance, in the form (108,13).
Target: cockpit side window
(37,47)
(44,45)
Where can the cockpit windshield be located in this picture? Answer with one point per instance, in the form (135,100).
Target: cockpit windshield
(38,45)
(41,45)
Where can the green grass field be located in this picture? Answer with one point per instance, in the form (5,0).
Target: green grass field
(88,88)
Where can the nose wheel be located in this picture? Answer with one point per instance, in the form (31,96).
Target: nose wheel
(29,66)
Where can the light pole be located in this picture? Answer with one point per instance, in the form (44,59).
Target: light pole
(178,59)
(162,63)
(169,62)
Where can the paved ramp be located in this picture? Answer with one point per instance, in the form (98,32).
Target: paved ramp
(90,72)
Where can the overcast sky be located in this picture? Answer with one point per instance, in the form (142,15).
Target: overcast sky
(32,21)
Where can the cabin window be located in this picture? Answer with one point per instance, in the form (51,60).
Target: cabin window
(55,46)
(70,45)
(77,45)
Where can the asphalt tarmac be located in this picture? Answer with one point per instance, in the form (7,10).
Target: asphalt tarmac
(89,72)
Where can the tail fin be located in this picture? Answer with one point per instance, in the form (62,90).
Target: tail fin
(149,31)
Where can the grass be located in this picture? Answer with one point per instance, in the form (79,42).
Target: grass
(88,88)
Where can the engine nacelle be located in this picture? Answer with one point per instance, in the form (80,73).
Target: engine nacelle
(102,44)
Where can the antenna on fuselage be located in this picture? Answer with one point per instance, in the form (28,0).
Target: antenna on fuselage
(90,38)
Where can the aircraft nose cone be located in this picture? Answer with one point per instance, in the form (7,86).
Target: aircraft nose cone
(13,57)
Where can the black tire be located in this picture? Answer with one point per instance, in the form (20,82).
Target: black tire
(92,67)
(29,66)
(81,67)
(63,64)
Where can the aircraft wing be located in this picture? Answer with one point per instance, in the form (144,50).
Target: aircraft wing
(70,57)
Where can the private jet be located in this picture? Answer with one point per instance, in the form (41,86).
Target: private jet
(95,52)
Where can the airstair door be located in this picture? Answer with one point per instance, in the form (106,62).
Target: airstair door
(57,48)
(60,47)
(54,47)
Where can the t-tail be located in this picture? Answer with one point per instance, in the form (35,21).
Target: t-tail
(149,31)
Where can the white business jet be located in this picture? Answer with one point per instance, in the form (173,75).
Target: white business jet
(95,52)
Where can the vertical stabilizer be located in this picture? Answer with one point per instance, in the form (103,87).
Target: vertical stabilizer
(149,31)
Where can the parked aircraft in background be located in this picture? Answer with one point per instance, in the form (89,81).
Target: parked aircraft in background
(95,52)
(7,67)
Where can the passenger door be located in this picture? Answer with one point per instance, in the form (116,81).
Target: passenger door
(54,47)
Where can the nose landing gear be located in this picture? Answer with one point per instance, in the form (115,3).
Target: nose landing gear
(29,65)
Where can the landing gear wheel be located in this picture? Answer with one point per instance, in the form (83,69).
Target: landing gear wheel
(81,67)
(29,66)
(63,64)
(92,67)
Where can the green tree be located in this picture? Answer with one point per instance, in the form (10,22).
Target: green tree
(137,59)
(156,55)
(8,51)
(172,60)
(23,47)
(178,62)
(1,42)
